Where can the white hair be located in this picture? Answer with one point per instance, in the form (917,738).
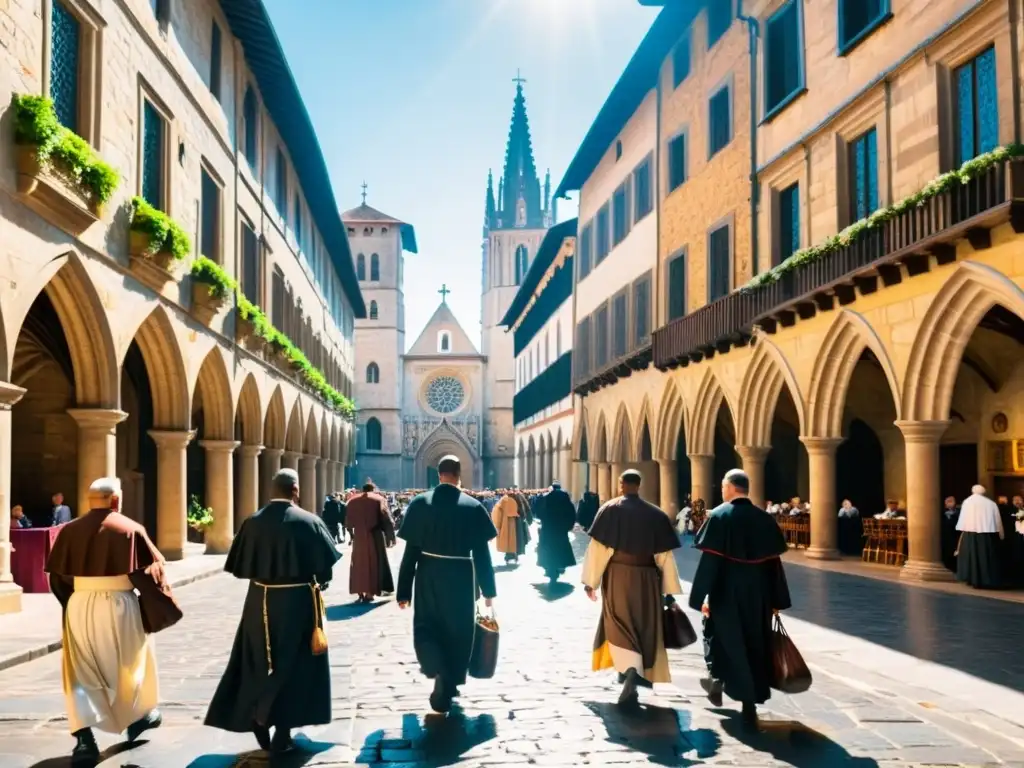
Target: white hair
(105,486)
(978,489)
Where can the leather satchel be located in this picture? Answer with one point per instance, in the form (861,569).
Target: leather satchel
(318,642)
(676,627)
(156,602)
(484,659)
(789,670)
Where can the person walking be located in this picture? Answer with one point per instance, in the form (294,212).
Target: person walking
(373,532)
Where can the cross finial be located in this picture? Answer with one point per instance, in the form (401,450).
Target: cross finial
(444,293)
(518,80)
(364,193)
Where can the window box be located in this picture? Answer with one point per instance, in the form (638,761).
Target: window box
(52,196)
(246,335)
(153,268)
(156,245)
(212,289)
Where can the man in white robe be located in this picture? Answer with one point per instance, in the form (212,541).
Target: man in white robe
(978,551)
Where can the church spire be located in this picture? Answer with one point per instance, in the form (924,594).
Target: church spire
(520,198)
(489,208)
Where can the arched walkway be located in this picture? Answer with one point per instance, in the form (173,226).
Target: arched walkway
(766,376)
(158,344)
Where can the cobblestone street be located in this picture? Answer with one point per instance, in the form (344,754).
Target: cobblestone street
(867,707)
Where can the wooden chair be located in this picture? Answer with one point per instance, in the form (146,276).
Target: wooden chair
(872,540)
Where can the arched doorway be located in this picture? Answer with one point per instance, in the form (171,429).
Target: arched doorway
(786,467)
(444,441)
(249,433)
(725,452)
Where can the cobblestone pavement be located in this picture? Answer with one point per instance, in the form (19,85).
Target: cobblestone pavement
(544,707)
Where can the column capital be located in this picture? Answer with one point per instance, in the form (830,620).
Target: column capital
(165,438)
(666,462)
(219,446)
(321,461)
(753,452)
(252,451)
(272,452)
(10,394)
(821,445)
(97,418)
(293,454)
(699,456)
(922,431)
(309,458)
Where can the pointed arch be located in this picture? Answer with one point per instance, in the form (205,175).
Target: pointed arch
(643,432)
(360,267)
(600,446)
(579,437)
(374,435)
(844,343)
(767,373)
(213,390)
(274,425)
(951,320)
(710,397)
(248,412)
(333,440)
(374,267)
(294,437)
(671,421)
(373,310)
(159,346)
(622,437)
(559,445)
(444,440)
(311,440)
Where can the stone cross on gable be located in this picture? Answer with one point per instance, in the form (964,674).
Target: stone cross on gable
(518,80)
(444,293)
(364,193)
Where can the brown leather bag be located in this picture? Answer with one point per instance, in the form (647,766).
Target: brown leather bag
(676,627)
(789,670)
(484,658)
(156,602)
(318,642)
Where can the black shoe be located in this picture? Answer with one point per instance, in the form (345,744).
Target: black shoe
(749,715)
(143,724)
(282,742)
(262,734)
(629,697)
(440,698)
(85,752)
(713,688)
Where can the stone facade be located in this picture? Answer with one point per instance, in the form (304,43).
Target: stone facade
(104,371)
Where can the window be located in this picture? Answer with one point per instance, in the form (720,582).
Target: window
(586,246)
(210,235)
(857,19)
(277,299)
(789,223)
(281,183)
(154,143)
(977,109)
(444,341)
(373,310)
(620,214)
(719,20)
(215,62)
(373,374)
(618,150)
(581,350)
(643,204)
(681,60)
(641,311)
(252,268)
(863,176)
(522,258)
(297,221)
(374,267)
(65,64)
(620,325)
(720,121)
(676,161)
(677,287)
(719,258)
(161,9)
(373,435)
(250,133)
(601,337)
(783,61)
(602,234)
(360,267)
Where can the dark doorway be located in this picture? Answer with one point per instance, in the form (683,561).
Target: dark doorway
(725,452)
(684,476)
(783,466)
(138,376)
(958,469)
(860,469)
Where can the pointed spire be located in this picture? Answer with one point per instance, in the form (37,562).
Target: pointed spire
(547,190)
(520,176)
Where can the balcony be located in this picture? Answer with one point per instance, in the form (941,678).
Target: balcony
(588,382)
(552,385)
(896,244)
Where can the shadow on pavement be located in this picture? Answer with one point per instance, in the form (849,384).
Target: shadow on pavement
(348,611)
(506,567)
(792,743)
(663,734)
(307,751)
(431,740)
(553,592)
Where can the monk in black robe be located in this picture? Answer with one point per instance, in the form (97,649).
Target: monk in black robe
(557,517)
(334,516)
(586,510)
(630,557)
(738,586)
(448,560)
(373,532)
(273,678)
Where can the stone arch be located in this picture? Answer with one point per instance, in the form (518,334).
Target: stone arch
(444,440)
(334,441)
(249,413)
(213,390)
(600,445)
(643,425)
(622,437)
(311,440)
(158,343)
(274,425)
(952,318)
(579,438)
(559,445)
(295,434)
(701,432)
(844,343)
(767,373)
(326,451)
(671,420)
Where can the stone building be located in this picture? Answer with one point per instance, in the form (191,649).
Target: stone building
(121,352)
(540,319)
(884,362)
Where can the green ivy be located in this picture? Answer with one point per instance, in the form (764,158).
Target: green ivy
(209,272)
(198,516)
(165,234)
(36,125)
(972,169)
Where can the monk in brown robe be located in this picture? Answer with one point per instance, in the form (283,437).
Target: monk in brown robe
(513,534)
(110,677)
(372,530)
(630,558)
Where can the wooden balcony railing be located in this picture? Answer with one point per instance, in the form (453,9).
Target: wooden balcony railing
(901,247)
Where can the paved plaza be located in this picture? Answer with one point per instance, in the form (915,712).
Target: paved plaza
(903,676)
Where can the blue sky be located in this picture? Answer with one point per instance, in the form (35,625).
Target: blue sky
(415,97)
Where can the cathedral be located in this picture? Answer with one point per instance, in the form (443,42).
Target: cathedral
(444,396)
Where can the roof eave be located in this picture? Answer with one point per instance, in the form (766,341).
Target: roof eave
(549,248)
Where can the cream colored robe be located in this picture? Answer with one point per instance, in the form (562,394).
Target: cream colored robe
(109,668)
(594,564)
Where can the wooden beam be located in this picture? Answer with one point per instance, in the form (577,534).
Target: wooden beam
(891,274)
(806,310)
(1017,216)
(944,253)
(768,325)
(917,264)
(980,238)
(824,301)
(866,285)
(846,294)
(787,318)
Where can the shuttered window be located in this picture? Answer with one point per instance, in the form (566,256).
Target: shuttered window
(677,287)
(719,246)
(581,348)
(863,174)
(783,57)
(676,161)
(977,107)
(252,271)
(681,60)
(643,202)
(620,214)
(210,234)
(642,311)
(586,247)
(601,338)
(789,222)
(720,121)
(620,325)
(601,235)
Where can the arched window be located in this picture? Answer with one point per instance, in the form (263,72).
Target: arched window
(373,310)
(360,267)
(444,341)
(373,435)
(251,119)
(372,374)
(375,267)
(522,263)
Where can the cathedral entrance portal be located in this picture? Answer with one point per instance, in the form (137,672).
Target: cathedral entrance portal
(442,442)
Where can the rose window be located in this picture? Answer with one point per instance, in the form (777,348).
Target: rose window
(445,394)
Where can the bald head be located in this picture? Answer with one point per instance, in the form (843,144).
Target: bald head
(285,484)
(449,470)
(735,484)
(103,491)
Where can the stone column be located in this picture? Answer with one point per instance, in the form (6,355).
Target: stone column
(270,463)
(702,483)
(669,482)
(220,493)
(97,449)
(307,482)
(565,473)
(322,468)
(10,593)
(171,501)
(248,483)
(753,457)
(290,460)
(821,454)
(924,532)
(593,477)
(604,482)
(650,488)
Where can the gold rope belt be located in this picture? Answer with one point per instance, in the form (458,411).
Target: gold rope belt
(447,557)
(318,605)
